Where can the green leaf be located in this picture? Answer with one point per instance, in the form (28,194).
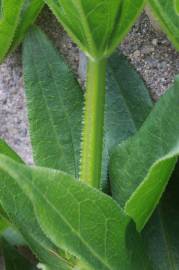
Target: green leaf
(13,260)
(21,213)
(55,102)
(9,18)
(29,14)
(96,26)
(165,11)
(141,166)
(80,219)
(127,105)
(161,233)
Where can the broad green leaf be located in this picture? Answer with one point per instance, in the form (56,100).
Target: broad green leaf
(161,233)
(141,166)
(97,26)
(165,11)
(80,219)
(9,18)
(55,102)
(13,260)
(127,104)
(21,213)
(29,14)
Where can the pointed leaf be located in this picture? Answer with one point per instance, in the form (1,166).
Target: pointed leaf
(80,219)
(165,11)
(161,233)
(127,105)
(128,100)
(55,102)
(96,26)
(141,166)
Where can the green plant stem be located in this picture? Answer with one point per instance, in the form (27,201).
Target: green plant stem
(92,140)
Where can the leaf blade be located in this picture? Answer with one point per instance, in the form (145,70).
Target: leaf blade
(55,100)
(83,233)
(128,104)
(21,213)
(140,175)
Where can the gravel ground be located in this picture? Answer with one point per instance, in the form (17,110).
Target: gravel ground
(149,50)
(153,56)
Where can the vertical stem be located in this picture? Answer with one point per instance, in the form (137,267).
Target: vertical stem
(92,140)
